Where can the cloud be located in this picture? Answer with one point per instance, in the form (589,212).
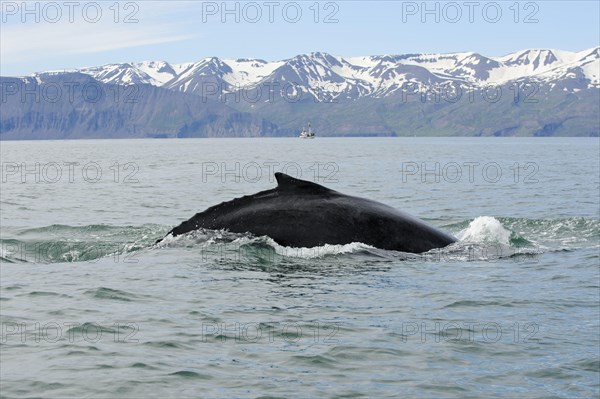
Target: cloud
(157,23)
(27,42)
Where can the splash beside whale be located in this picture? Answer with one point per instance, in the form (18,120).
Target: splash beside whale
(299,213)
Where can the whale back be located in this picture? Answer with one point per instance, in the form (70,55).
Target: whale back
(300,213)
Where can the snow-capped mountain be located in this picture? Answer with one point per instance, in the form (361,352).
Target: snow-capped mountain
(537,93)
(156,73)
(356,77)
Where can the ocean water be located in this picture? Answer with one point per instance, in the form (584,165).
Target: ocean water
(90,307)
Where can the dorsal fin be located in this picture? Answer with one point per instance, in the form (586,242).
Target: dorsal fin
(286,182)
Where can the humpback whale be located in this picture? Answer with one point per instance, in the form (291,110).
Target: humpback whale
(299,213)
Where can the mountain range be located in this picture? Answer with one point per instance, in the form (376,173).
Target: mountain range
(534,92)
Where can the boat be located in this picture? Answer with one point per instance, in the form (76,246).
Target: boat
(307,134)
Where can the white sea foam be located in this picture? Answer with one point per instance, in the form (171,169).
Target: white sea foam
(304,252)
(485,229)
(320,251)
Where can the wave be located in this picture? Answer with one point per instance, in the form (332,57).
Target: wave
(63,243)
(486,229)
(321,251)
(484,237)
(547,235)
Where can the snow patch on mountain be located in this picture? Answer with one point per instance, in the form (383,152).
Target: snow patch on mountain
(249,72)
(355,77)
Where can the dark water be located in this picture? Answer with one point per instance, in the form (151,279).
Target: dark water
(91,308)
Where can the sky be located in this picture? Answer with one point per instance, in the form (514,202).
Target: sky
(38,36)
